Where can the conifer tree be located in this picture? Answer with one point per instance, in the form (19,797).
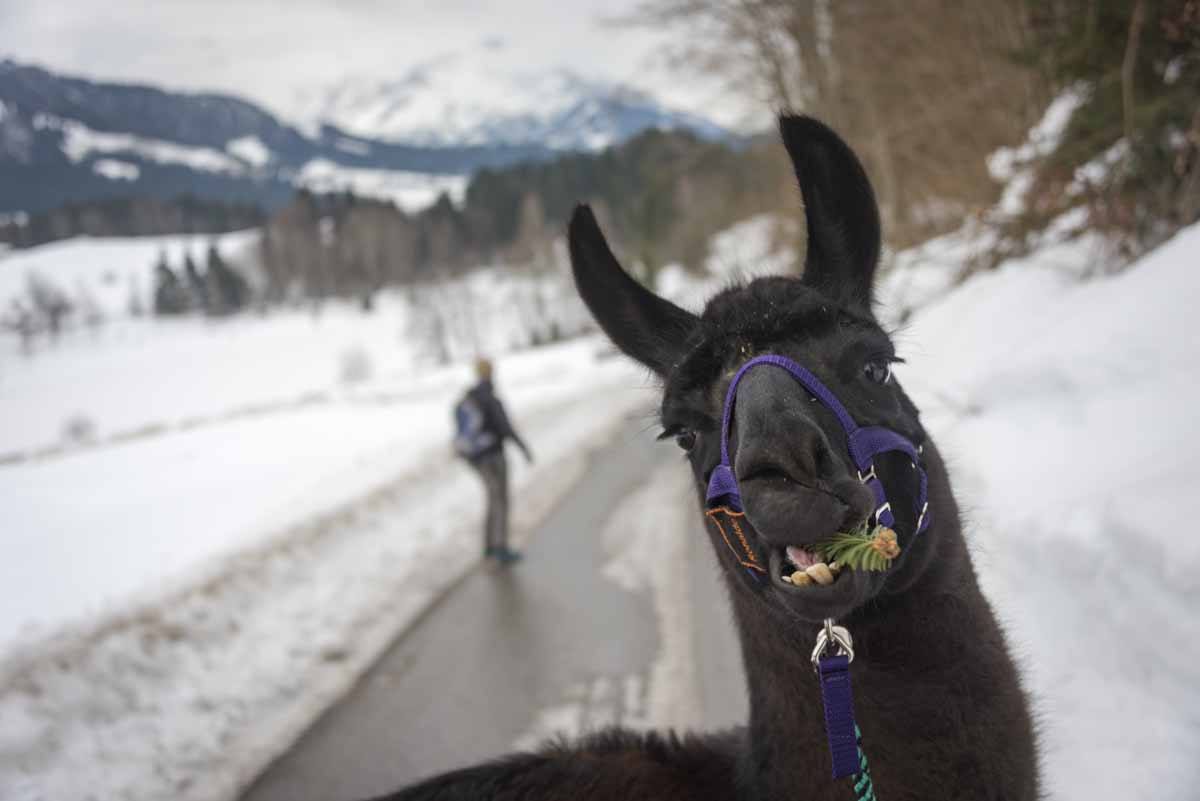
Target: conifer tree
(170,296)
(1137,64)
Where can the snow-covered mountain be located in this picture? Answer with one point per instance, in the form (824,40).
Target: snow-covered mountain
(476,98)
(65,139)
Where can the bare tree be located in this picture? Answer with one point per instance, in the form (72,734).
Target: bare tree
(924,89)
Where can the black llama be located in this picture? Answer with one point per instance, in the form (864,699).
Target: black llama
(938,702)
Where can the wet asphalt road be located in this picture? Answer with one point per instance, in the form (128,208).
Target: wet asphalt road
(478,672)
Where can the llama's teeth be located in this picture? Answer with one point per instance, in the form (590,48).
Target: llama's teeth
(801,579)
(787,579)
(820,574)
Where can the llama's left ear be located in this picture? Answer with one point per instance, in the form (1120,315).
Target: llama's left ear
(640,323)
(839,208)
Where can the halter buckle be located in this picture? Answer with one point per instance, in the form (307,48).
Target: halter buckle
(835,636)
(921,517)
(870,474)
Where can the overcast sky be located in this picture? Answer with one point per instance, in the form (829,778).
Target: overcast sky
(269,50)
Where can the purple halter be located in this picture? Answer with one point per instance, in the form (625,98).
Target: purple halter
(865,442)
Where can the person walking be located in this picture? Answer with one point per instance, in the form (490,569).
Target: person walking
(482,427)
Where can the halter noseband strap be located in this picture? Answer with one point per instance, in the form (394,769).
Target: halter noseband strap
(864,443)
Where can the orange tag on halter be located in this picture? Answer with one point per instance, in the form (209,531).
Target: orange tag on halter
(732,526)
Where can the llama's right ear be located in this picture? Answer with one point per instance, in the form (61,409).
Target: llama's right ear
(839,208)
(640,323)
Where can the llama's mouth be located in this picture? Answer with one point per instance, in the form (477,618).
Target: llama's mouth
(819,594)
(796,569)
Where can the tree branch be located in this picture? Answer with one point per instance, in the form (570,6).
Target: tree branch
(1136,21)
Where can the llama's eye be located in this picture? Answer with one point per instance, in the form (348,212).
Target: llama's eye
(686,440)
(878,370)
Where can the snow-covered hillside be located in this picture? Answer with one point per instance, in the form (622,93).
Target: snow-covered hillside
(486,97)
(1065,411)
(113,275)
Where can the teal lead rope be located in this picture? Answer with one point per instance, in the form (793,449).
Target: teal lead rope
(864,788)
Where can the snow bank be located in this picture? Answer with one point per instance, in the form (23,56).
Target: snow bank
(1066,412)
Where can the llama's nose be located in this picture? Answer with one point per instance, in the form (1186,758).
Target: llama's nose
(777,436)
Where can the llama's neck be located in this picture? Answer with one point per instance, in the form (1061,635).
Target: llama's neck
(936,697)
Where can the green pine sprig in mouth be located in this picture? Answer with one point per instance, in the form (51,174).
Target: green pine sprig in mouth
(866,548)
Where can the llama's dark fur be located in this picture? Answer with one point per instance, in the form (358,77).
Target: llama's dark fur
(936,694)
(606,765)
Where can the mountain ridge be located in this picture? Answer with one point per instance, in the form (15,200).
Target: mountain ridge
(66,139)
(470,98)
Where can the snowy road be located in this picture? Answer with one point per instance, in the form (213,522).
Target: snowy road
(570,639)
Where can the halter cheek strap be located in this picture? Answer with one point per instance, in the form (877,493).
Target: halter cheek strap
(864,444)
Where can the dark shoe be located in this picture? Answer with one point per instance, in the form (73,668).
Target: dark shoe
(490,551)
(507,556)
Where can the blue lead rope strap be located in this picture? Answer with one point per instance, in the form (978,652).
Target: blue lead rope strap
(838,699)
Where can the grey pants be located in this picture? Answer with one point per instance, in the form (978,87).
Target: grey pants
(493,469)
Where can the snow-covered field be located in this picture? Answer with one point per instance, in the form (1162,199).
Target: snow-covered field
(143,374)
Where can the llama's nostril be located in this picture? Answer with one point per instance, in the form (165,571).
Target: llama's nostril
(801,457)
(775,462)
(767,473)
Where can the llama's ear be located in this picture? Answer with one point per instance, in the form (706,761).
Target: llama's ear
(640,323)
(839,208)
